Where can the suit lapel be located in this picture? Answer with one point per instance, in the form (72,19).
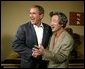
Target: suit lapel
(33,34)
(58,44)
(44,35)
(51,43)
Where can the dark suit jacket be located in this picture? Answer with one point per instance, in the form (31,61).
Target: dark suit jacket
(25,40)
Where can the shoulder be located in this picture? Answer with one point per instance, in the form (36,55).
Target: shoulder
(24,26)
(67,39)
(68,36)
(46,25)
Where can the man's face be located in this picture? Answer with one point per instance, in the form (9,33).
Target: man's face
(35,16)
(55,23)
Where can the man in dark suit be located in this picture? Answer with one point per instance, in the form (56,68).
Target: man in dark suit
(30,34)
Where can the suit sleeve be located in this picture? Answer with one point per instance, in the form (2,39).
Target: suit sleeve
(62,54)
(19,43)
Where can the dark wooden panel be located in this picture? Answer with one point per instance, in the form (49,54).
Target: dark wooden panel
(76,18)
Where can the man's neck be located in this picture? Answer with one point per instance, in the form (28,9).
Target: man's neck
(39,25)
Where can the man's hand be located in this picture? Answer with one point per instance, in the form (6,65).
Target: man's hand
(37,51)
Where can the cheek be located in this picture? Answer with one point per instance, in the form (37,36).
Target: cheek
(57,27)
(37,17)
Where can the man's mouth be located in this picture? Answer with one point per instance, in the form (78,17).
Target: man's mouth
(32,18)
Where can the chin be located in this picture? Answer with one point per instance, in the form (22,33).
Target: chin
(53,30)
(33,23)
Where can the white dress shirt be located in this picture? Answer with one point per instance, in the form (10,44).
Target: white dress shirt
(39,33)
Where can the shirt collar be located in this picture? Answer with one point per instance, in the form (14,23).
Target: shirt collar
(41,25)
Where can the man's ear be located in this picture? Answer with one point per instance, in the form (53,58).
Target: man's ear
(41,16)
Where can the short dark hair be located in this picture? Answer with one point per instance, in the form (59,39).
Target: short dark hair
(40,8)
(62,17)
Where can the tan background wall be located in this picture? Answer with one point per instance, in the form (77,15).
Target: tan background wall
(15,13)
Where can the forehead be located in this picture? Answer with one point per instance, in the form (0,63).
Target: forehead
(34,9)
(56,17)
